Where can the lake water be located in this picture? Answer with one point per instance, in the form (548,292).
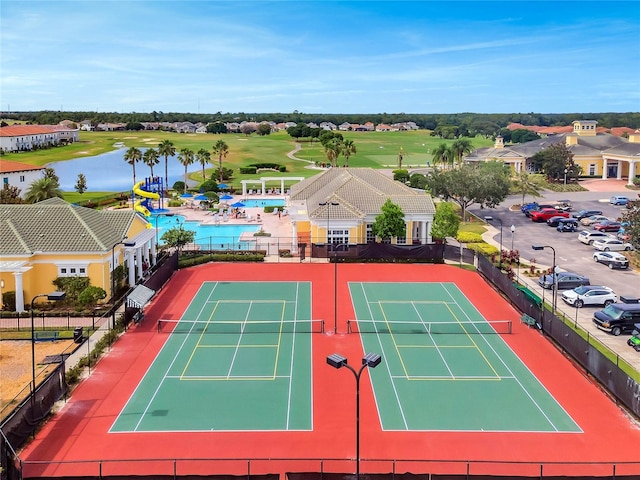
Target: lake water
(110,173)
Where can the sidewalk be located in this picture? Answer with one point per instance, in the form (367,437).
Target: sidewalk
(581,316)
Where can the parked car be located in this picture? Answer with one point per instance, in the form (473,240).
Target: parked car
(564,279)
(589,295)
(593,219)
(586,213)
(612,259)
(612,244)
(607,226)
(590,236)
(536,208)
(553,221)
(567,225)
(527,206)
(619,200)
(617,318)
(545,214)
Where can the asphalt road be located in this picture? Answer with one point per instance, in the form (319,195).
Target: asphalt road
(571,255)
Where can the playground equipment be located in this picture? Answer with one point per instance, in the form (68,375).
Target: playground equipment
(146,190)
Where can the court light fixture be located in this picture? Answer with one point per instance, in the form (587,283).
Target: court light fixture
(371,360)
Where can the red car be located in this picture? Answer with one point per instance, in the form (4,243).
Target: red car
(607,226)
(546,213)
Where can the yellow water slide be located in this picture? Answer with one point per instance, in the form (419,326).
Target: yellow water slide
(144,194)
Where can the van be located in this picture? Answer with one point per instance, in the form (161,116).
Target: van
(567,225)
(617,318)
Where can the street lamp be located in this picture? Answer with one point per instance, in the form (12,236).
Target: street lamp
(513,234)
(328,204)
(156,219)
(553,272)
(55,297)
(371,360)
(565,176)
(489,219)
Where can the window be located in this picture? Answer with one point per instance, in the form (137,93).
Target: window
(592,169)
(370,236)
(21,178)
(72,270)
(337,237)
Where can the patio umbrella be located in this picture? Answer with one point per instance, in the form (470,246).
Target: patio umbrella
(186,195)
(223,185)
(226,197)
(237,205)
(201,197)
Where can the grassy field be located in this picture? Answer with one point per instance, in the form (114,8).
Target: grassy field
(374,150)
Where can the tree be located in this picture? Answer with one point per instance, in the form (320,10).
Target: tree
(522,135)
(400,158)
(632,215)
(151,157)
(418,180)
(178,237)
(332,149)
(42,189)
(390,223)
(487,184)
(186,158)
(90,296)
(10,194)
(460,148)
(131,156)
(445,222)
(526,185)
(51,173)
(264,129)
(81,183)
(166,149)
(442,154)
(220,150)
(203,156)
(554,160)
(348,149)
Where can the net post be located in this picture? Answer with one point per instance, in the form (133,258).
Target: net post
(509,326)
(349,326)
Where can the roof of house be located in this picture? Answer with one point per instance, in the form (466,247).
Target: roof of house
(55,226)
(7,166)
(358,192)
(20,130)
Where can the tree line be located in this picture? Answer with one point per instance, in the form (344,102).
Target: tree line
(486,124)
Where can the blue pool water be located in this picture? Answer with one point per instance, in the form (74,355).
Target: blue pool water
(209,237)
(263,202)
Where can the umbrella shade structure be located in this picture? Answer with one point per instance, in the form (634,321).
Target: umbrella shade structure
(186,195)
(223,185)
(237,205)
(226,197)
(201,197)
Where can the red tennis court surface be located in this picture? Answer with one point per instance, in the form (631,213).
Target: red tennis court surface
(76,440)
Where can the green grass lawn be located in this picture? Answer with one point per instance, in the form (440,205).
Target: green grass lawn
(374,150)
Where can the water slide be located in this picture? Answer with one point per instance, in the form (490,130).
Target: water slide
(138,207)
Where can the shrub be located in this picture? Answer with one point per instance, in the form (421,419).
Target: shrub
(484,248)
(469,237)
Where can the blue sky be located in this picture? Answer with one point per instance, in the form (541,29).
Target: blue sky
(320,56)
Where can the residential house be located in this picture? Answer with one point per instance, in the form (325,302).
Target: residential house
(23,138)
(19,175)
(43,241)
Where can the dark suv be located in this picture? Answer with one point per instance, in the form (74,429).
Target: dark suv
(586,213)
(617,318)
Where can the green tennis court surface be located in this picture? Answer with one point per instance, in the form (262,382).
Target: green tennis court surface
(238,359)
(444,366)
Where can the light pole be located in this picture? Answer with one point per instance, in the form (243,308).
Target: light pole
(489,219)
(371,360)
(565,176)
(335,268)
(156,219)
(53,296)
(513,235)
(553,272)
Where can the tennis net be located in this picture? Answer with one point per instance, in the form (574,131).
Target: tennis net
(238,327)
(403,327)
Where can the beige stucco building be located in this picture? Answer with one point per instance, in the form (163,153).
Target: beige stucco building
(599,154)
(50,239)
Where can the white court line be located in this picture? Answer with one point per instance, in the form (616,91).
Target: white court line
(235,353)
(435,344)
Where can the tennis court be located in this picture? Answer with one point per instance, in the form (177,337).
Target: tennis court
(445,367)
(239,359)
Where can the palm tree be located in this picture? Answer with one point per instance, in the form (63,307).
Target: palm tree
(166,149)
(332,150)
(132,156)
(441,154)
(42,189)
(186,158)
(203,157)
(348,149)
(461,147)
(221,150)
(150,158)
(526,184)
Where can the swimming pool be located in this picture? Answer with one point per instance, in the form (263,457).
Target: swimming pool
(263,202)
(209,237)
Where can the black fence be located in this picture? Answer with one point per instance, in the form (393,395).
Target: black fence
(428,253)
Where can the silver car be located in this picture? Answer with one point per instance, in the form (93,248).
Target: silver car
(589,295)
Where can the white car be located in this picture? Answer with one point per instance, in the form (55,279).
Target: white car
(612,259)
(589,295)
(611,244)
(590,236)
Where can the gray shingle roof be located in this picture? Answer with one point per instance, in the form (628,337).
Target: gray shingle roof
(359,192)
(57,226)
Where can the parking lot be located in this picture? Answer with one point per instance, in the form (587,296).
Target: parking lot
(571,255)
